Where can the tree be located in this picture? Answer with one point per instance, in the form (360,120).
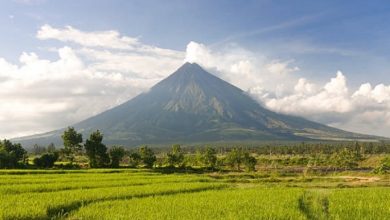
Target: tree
(208,157)
(383,167)
(176,156)
(234,158)
(147,156)
(346,159)
(72,142)
(96,151)
(358,151)
(38,149)
(249,162)
(51,148)
(11,154)
(4,159)
(116,155)
(46,160)
(16,150)
(134,159)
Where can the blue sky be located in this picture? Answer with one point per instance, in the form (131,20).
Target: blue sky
(308,40)
(349,35)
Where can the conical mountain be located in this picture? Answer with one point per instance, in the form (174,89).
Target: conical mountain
(192,105)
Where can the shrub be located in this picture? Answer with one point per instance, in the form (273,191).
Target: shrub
(46,160)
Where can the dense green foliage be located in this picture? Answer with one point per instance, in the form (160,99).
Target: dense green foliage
(72,142)
(303,157)
(46,160)
(11,155)
(208,157)
(96,150)
(236,157)
(175,158)
(383,167)
(116,155)
(147,156)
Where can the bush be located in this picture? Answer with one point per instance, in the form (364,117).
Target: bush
(249,162)
(234,158)
(384,167)
(134,159)
(175,157)
(209,158)
(116,154)
(147,156)
(46,160)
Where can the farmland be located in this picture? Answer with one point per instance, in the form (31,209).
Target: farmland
(149,194)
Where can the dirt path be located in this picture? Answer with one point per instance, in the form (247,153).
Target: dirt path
(353,180)
(359,179)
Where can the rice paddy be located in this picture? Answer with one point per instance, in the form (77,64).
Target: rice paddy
(143,194)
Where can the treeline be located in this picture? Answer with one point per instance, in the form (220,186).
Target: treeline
(99,156)
(324,148)
(94,153)
(302,148)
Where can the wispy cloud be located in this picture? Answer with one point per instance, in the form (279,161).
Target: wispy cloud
(269,29)
(30,2)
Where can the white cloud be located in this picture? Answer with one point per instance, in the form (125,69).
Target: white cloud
(280,67)
(30,2)
(102,69)
(105,68)
(241,67)
(197,53)
(304,87)
(366,110)
(381,93)
(306,100)
(337,85)
(105,39)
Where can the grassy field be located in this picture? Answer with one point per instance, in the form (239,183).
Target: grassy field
(144,194)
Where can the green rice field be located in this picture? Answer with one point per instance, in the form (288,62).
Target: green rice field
(143,194)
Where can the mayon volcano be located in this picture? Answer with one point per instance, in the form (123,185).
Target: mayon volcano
(192,105)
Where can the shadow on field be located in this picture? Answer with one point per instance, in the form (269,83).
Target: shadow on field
(187,170)
(314,205)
